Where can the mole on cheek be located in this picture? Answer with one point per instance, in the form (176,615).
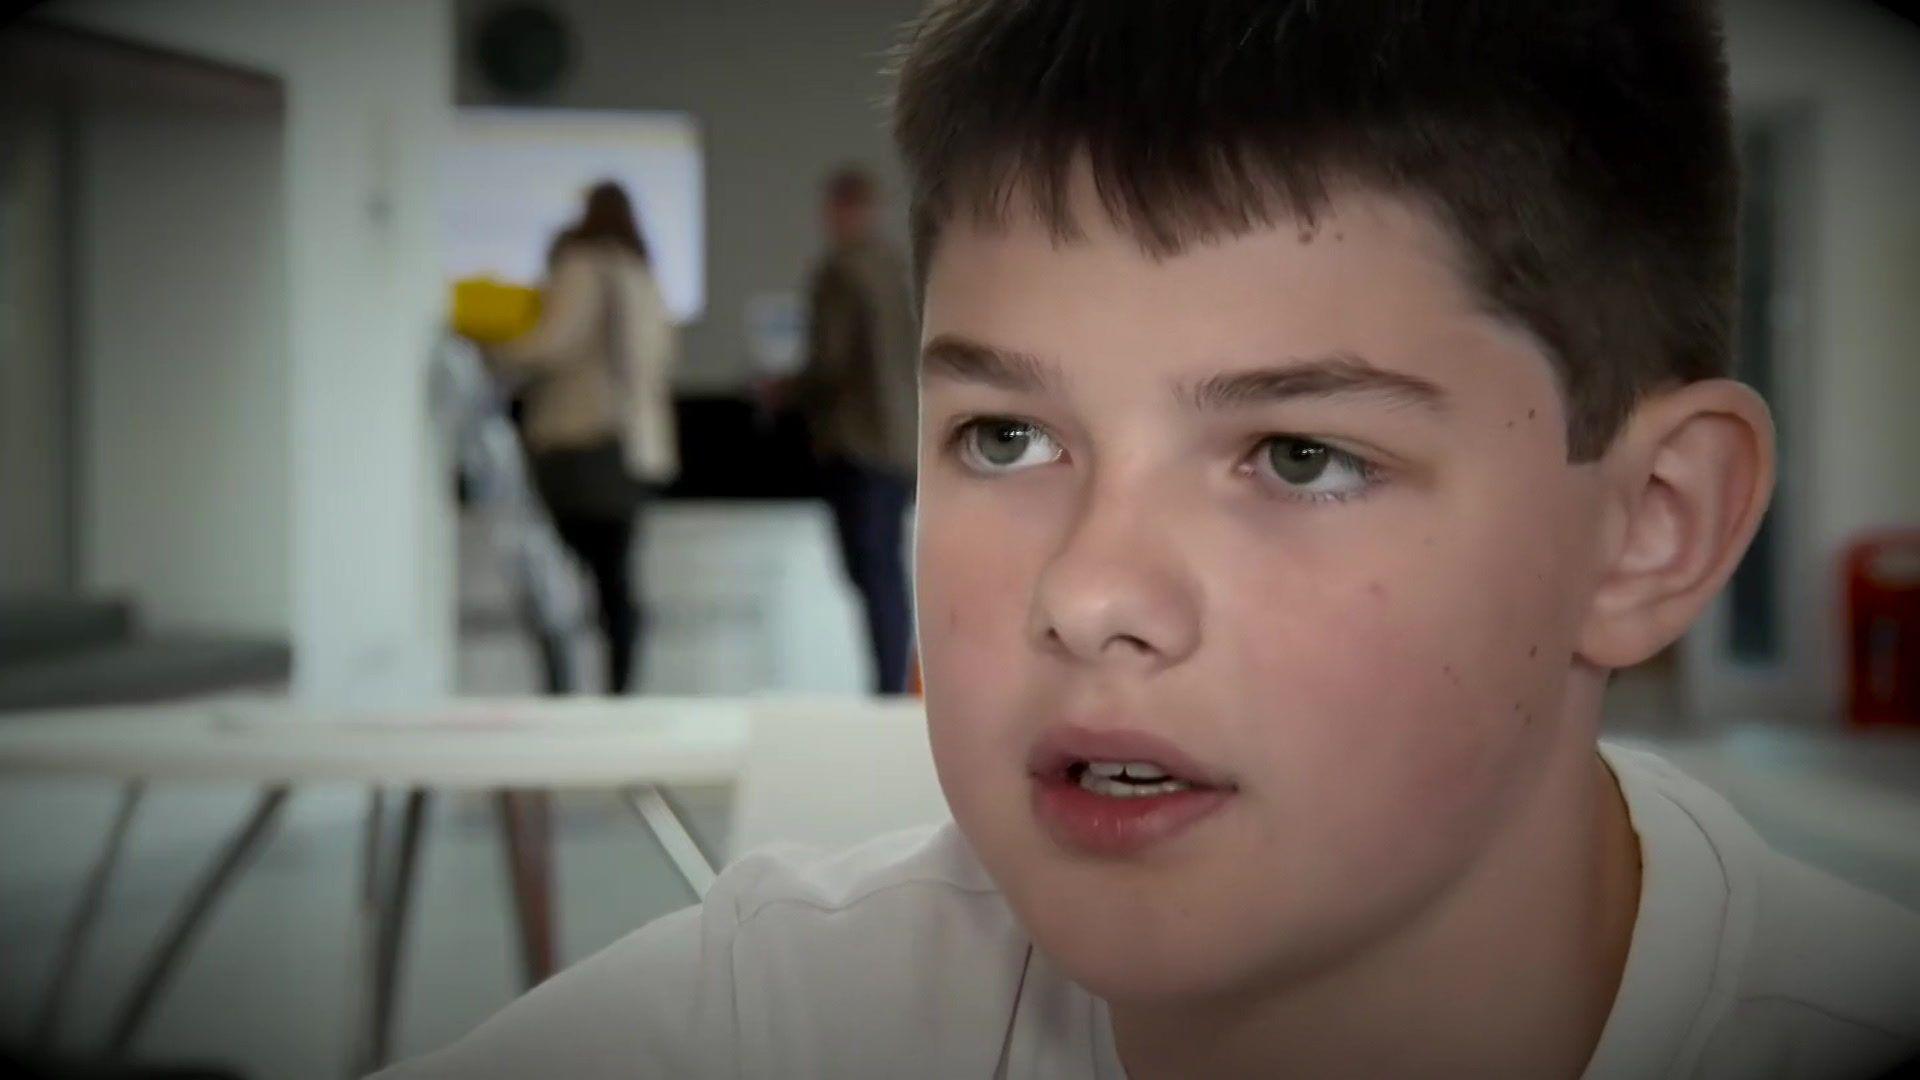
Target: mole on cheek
(1534,651)
(1377,589)
(1530,413)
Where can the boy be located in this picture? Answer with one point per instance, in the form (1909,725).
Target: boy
(1318,401)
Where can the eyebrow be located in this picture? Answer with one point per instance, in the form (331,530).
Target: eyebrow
(950,356)
(1338,374)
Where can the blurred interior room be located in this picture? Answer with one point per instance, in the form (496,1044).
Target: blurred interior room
(237,492)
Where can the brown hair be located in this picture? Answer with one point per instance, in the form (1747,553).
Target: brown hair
(1579,151)
(608,216)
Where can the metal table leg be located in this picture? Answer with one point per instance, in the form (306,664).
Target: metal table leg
(526,830)
(390,928)
(367,933)
(86,913)
(188,920)
(659,816)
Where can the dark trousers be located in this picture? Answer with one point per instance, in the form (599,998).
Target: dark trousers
(606,545)
(869,511)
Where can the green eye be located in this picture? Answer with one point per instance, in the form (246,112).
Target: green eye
(1003,446)
(1308,468)
(1297,461)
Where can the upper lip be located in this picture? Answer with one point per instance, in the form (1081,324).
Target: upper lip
(1063,745)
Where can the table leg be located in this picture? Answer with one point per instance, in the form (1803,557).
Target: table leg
(86,913)
(188,920)
(367,927)
(391,925)
(526,830)
(659,816)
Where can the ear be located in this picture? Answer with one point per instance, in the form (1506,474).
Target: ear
(1687,481)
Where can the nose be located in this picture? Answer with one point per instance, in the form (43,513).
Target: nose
(1116,593)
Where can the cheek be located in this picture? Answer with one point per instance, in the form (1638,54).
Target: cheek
(973,578)
(1359,710)
(1397,699)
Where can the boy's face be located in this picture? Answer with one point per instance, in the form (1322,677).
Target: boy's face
(1286,519)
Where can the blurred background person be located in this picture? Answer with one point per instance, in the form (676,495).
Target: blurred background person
(857,393)
(595,377)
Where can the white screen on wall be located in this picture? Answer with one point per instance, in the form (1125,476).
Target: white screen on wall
(515,177)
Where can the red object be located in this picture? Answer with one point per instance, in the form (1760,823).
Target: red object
(1883,629)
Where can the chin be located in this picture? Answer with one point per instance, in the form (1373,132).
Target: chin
(1137,941)
(1119,964)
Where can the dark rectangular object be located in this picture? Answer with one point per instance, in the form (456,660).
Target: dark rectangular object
(732,449)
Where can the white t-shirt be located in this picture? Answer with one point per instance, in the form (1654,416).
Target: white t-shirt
(900,958)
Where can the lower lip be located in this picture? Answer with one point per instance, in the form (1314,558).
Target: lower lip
(1082,821)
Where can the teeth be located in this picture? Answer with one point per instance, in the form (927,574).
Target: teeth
(1112,787)
(1142,771)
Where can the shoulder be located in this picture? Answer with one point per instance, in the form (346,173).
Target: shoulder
(930,860)
(794,960)
(596,257)
(579,264)
(873,260)
(1810,976)
(1832,972)
(898,921)
(876,960)
(833,270)
(876,260)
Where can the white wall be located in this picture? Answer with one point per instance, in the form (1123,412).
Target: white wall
(782,90)
(512,180)
(35,555)
(1849,75)
(1858,70)
(368,87)
(182,366)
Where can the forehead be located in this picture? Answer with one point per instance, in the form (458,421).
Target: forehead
(1373,276)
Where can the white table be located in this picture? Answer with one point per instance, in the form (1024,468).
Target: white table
(630,745)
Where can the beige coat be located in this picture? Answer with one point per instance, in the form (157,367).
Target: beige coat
(600,363)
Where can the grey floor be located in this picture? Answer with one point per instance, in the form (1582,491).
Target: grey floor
(269,987)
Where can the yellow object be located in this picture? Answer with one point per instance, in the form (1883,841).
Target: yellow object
(491,312)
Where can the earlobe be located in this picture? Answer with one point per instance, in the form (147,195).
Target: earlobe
(1690,476)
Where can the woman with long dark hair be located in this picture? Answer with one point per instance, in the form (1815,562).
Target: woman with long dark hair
(598,422)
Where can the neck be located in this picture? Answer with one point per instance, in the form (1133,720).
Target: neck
(1511,972)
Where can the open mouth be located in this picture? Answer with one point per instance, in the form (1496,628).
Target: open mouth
(1119,763)
(1125,780)
(1117,793)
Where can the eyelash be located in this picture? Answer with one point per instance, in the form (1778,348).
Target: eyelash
(955,441)
(1371,474)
